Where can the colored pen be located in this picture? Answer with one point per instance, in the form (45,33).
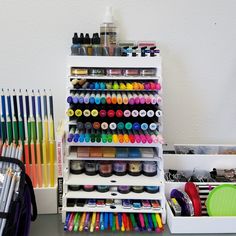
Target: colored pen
(102,221)
(97,227)
(106,220)
(86,224)
(68,215)
(71,222)
(93,222)
(76,221)
(81,225)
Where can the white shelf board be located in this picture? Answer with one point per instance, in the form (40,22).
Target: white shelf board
(124,78)
(114,62)
(73,156)
(118,208)
(113,90)
(113,195)
(95,144)
(83,179)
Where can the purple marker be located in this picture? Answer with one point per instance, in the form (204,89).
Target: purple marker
(76,98)
(70,98)
(131,99)
(86,98)
(141,99)
(81,98)
(147,86)
(136,99)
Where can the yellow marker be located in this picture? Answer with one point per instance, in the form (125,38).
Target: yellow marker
(119,99)
(46,137)
(115,138)
(159,221)
(122,86)
(93,222)
(52,153)
(70,112)
(45,169)
(81,225)
(123,227)
(78,113)
(94,112)
(129,86)
(38,154)
(86,112)
(126,138)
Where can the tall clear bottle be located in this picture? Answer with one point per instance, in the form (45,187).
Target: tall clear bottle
(108,32)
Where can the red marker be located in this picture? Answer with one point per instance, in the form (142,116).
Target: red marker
(111,113)
(108,98)
(102,113)
(119,113)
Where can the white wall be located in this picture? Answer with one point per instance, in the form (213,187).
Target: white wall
(197,41)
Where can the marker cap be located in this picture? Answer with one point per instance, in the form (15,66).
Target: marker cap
(102,113)
(111,113)
(78,113)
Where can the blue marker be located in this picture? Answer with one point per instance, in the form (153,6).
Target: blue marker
(76,136)
(136,126)
(102,85)
(67,221)
(92,98)
(144,126)
(97,99)
(70,98)
(120,220)
(105,220)
(150,220)
(101,221)
(81,137)
(92,85)
(81,98)
(96,86)
(111,220)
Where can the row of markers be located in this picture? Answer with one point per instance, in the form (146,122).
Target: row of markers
(113,98)
(116,85)
(100,221)
(131,136)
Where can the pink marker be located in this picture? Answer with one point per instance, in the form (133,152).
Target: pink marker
(136,98)
(143,137)
(147,86)
(71,222)
(141,99)
(137,137)
(131,99)
(127,113)
(153,99)
(147,99)
(148,137)
(159,99)
(158,86)
(160,138)
(141,219)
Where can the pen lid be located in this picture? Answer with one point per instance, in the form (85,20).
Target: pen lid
(75,39)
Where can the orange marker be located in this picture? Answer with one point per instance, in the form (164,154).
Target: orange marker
(119,99)
(108,98)
(113,98)
(117,223)
(125,99)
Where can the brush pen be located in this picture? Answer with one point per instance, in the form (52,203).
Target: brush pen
(106,221)
(148,228)
(113,226)
(97,226)
(159,221)
(76,221)
(71,222)
(133,221)
(68,215)
(86,223)
(149,216)
(81,225)
(102,221)
(116,222)
(93,222)
(155,222)
(75,98)
(120,220)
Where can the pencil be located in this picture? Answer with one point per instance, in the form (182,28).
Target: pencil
(45,168)
(52,152)
(9,129)
(15,129)
(38,152)
(33,164)
(15,107)
(9,104)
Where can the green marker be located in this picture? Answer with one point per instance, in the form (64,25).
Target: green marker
(9,129)
(114,222)
(98,136)
(104,137)
(154,221)
(128,125)
(133,221)
(87,137)
(146,222)
(120,125)
(109,136)
(92,136)
(109,85)
(76,221)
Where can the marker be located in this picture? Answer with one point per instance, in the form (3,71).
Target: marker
(117,222)
(110,113)
(75,98)
(81,225)
(149,229)
(94,112)
(71,222)
(127,113)
(102,113)
(97,99)
(86,98)
(97,227)
(158,113)
(113,98)
(105,220)
(144,126)
(141,99)
(119,113)
(141,220)
(78,112)
(119,99)
(125,99)
(102,221)
(113,218)
(76,221)
(133,221)
(155,222)
(103,98)
(93,222)
(150,113)
(104,125)
(86,113)
(149,216)
(112,126)
(81,98)
(159,221)
(135,113)
(131,99)
(142,113)
(136,98)
(86,224)
(108,98)
(68,215)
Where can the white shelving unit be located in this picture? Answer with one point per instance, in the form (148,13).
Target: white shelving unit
(83,179)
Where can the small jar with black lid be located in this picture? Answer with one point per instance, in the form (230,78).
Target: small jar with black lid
(74,187)
(105,168)
(120,168)
(135,168)
(124,189)
(150,168)
(88,188)
(91,167)
(152,189)
(102,188)
(77,167)
(137,189)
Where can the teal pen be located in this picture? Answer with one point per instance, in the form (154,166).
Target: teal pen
(102,85)
(101,221)
(105,220)
(93,137)
(87,137)
(98,99)
(81,136)
(103,98)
